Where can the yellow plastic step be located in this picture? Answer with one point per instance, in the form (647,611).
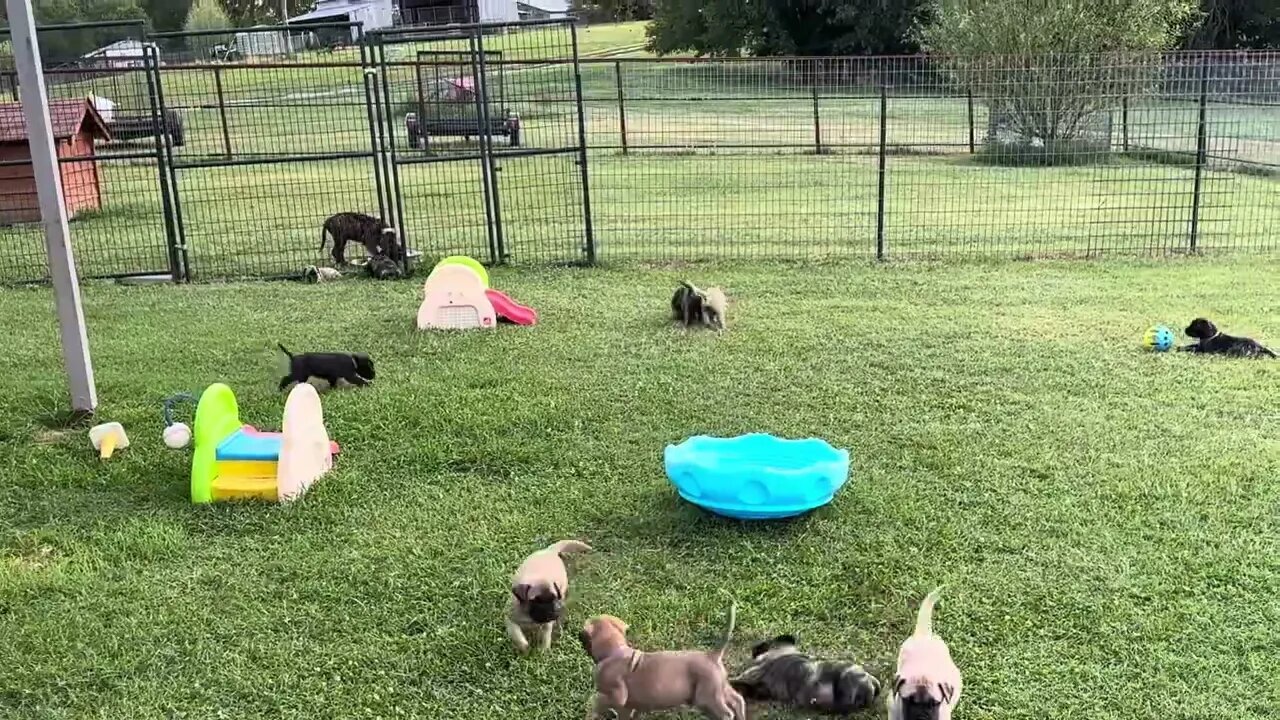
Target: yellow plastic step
(245,480)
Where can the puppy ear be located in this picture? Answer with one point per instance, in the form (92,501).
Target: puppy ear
(521,592)
(947,691)
(584,637)
(785,640)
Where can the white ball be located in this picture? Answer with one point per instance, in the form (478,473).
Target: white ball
(177,435)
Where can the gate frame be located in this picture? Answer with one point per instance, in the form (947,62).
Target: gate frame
(173,164)
(474,33)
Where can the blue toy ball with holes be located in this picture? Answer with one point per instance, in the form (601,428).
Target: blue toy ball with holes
(1158,338)
(756,476)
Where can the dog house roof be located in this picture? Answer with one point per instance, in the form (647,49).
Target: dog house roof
(68,118)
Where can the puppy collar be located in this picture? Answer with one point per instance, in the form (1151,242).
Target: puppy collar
(622,651)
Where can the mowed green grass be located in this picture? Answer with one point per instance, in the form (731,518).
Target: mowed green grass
(1103,518)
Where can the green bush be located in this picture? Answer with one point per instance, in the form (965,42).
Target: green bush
(1053,73)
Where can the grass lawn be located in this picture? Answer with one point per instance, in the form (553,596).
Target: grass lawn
(1104,518)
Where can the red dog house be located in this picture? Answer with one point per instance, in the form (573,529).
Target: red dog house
(76,126)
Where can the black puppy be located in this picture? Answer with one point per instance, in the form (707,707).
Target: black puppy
(373,233)
(355,368)
(688,305)
(781,673)
(1213,341)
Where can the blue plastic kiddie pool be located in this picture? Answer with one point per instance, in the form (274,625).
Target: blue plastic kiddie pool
(756,476)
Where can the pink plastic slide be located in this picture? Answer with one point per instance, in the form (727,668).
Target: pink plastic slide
(509,309)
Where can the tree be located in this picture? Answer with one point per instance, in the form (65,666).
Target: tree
(1237,24)
(787,27)
(206,15)
(246,13)
(1047,74)
(613,10)
(66,45)
(167,15)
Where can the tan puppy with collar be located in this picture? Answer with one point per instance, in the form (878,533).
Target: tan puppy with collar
(629,681)
(538,589)
(927,685)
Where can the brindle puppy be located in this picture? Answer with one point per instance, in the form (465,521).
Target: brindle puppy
(373,233)
(1211,340)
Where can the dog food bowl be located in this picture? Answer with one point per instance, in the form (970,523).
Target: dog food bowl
(756,476)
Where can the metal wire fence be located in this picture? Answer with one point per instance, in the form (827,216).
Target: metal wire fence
(223,158)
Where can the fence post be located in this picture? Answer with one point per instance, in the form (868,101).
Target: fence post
(973,145)
(13,85)
(588,224)
(622,105)
(884,126)
(817,119)
(1124,124)
(151,63)
(1202,142)
(222,110)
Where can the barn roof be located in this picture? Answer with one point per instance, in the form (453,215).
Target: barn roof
(68,117)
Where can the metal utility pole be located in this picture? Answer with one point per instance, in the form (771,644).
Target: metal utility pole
(57,237)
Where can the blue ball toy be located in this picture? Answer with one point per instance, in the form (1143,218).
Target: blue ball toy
(1158,338)
(756,476)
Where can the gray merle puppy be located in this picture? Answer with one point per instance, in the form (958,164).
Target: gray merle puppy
(377,238)
(355,368)
(780,672)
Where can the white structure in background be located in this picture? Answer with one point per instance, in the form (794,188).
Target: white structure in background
(106,107)
(258,44)
(119,54)
(373,14)
(497,11)
(542,9)
(376,14)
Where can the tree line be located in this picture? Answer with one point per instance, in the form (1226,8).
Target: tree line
(157,15)
(885,27)
(786,27)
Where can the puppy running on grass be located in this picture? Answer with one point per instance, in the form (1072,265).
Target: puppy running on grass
(538,589)
(927,684)
(629,681)
(692,307)
(355,368)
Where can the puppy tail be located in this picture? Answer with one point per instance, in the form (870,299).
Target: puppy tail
(924,618)
(284,350)
(728,634)
(569,546)
(1269,352)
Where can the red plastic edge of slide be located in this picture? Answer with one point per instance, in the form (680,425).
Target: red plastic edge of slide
(511,310)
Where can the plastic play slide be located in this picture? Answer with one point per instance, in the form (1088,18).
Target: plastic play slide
(510,310)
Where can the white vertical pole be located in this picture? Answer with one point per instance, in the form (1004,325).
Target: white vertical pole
(57,237)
